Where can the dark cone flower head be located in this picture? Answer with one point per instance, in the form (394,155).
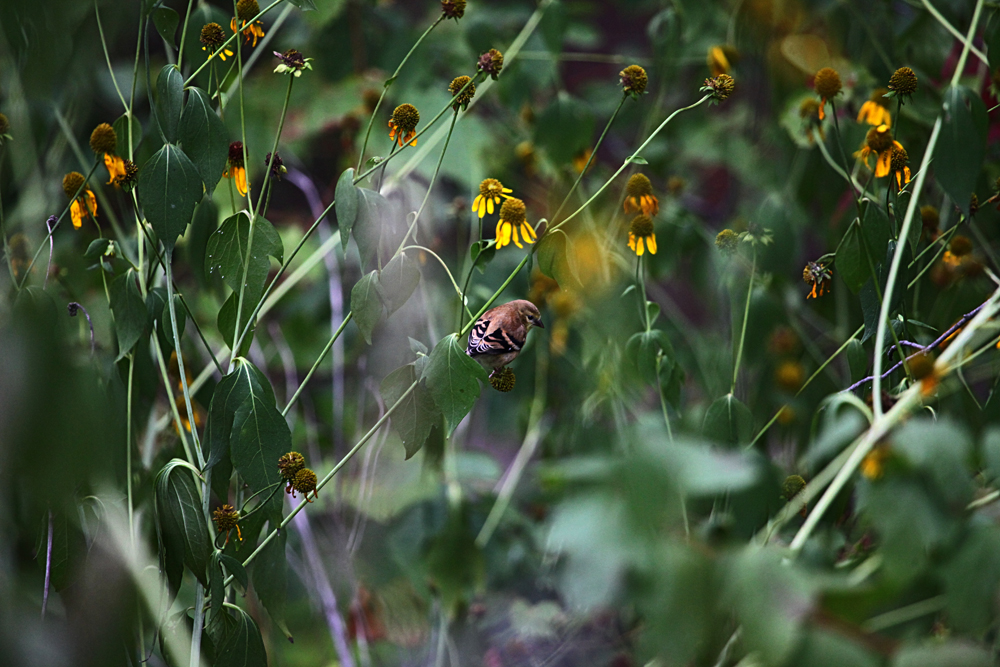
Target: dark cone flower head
(513,211)
(130,177)
(503,379)
(103,139)
(639,196)
(719,87)
(290,464)
(456,85)
(247,9)
(236,154)
(827,83)
(491,63)
(879,139)
(903,82)
(404,123)
(638,186)
(277,168)
(960,246)
(72,183)
(292,62)
(305,483)
(212,36)
(226,518)
(453,9)
(727,242)
(633,80)
(641,225)
(898,159)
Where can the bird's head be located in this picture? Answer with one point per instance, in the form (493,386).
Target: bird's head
(528,313)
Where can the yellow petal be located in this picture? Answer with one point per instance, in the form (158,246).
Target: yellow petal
(639,249)
(475,203)
(528,232)
(76,212)
(651,242)
(513,230)
(489,205)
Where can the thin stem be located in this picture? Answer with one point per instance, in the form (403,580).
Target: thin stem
(128,450)
(226,43)
(590,159)
(319,360)
(385,88)
(107,58)
(441,262)
(184,29)
(180,358)
(496,295)
(955,33)
(743,330)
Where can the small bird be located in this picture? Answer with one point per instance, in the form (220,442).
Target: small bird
(498,336)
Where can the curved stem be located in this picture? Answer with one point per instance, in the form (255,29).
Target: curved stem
(440,261)
(743,330)
(229,41)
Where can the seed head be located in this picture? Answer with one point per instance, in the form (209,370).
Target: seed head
(960,245)
(503,379)
(727,241)
(247,9)
(827,83)
(719,87)
(226,518)
(456,85)
(879,139)
(898,159)
(406,117)
(633,80)
(130,177)
(72,182)
(513,211)
(641,226)
(930,219)
(277,168)
(290,464)
(103,139)
(638,186)
(453,9)
(212,36)
(304,482)
(903,82)
(490,63)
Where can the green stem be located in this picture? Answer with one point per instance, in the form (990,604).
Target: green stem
(319,360)
(385,88)
(226,43)
(128,451)
(593,154)
(663,399)
(743,330)
(184,30)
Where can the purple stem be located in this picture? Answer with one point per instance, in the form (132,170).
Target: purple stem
(73,307)
(954,327)
(48,568)
(48,225)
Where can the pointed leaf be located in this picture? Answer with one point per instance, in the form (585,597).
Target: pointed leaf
(451,377)
(166,20)
(851,262)
(178,509)
(204,138)
(229,394)
(169,101)
(121,131)
(728,421)
(552,259)
(417,413)
(270,577)
(131,316)
(373,209)
(397,281)
(169,189)
(348,200)
(227,250)
(643,349)
(241,644)
(235,568)
(482,253)
(961,146)
(366,306)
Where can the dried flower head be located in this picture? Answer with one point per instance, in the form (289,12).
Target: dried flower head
(292,62)
(502,379)
(827,83)
(212,36)
(404,123)
(225,517)
(633,80)
(453,9)
(130,177)
(490,63)
(290,464)
(792,486)
(719,87)
(902,83)
(72,182)
(457,84)
(727,241)
(305,483)
(898,160)
(973,204)
(277,167)
(817,275)
(639,196)
(103,139)
(236,154)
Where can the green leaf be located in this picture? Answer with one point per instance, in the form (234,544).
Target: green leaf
(227,249)
(97,248)
(270,578)
(260,435)
(347,197)
(178,509)
(131,316)
(552,259)
(121,132)
(235,568)
(957,653)
(851,263)
(971,580)
(451,377)
(961,145)
(169,102)
(857,360)
(226,320)
(990,453)
(991,37)
(166,20)
(215,584)
(643,349)
(204,223)
(241,645)
(728,421)
(166,328)
(229,395)
(373,209)
(304,5)
(416,415)
(204,138)
(482,253)
(638,160)
(871,306)
(941,451)
(877,233)
(397,281)
(169,189)
(366,306)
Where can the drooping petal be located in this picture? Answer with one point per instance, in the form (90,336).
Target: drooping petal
(476,202)
(882,166)
(91,203)
(489,205)
(240,174)
(651,242)
(513,230)
(76,212)
(822,108)
(639,249)
(115,165)
(631,241)
(528,233)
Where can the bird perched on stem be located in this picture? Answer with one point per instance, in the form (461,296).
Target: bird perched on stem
(498,336)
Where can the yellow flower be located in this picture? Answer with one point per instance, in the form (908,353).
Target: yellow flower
(879,142)
(237,169)
(246,10)
(873,465)
(84,203)
(718,63)
(639,196)
(641,235)
(511,218)
(490,192)
(897,164)
(876,111)
(404,122)
(213,38)
(104,140)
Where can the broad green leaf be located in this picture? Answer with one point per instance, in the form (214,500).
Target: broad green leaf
(851,262)
(169,189)
(373,209)
(260,435)
(397,281)
(215,584)
(451,377)
(121,132)
(961,145)
(166,327)
(644,347)
(553,261)
(241,645)
(228,246)
(482,253)
(203,225)
(97,248)
(857,359)
(348,201)
(131,316)
(728,421)
(229,394)
(169,102)
(166,20)
(270,578)
(941,451)
(875,225)
(820,648)
(417,413)
(990,453)
(235,568)
(226,320)
(366,306)
(178,509)
(955,653)
(204,138)
(972,579)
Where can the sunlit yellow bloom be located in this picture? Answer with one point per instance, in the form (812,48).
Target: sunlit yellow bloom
(404,122)
(879,142)
(639,196)
(511,219)
(490,192)
(876,111)
(243,22)
(236,168)
(84,203)
(641,235)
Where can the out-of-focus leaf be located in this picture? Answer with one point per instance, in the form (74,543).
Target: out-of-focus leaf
(121,132)
(366,306)
(348,200)
(169,101)
(643,349)
(959,653)
(871,305)
(204,138)
(305,5)
(828,649)
(990,452)
(131,316)
(270,579)
(416,415)
(851,263)
(703,471)
(166,20)
(178,509)
(961,145)
(241,645)
(877,233)
(169,188)
(451,376)
(728,421)
(972,580)
(553,261)
(942,451)
(397,281)
(483,252)
(372,212)
(857,359)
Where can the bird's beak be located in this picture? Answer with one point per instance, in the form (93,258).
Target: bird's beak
(537,321)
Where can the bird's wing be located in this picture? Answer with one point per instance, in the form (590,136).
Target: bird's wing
(497,341)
